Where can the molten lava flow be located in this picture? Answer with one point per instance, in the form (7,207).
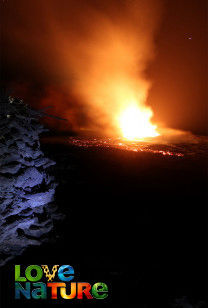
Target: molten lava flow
(135,123)
(124,145)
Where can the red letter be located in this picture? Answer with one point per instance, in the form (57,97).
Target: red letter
(86,291)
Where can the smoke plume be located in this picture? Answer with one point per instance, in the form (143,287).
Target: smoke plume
(87,58)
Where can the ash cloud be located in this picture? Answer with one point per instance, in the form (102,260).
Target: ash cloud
(82,57)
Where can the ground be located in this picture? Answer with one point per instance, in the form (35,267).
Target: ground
(135,220)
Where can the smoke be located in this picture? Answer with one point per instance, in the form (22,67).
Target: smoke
(87,58)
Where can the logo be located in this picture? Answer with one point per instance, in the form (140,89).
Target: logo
(47,273)
(28,284)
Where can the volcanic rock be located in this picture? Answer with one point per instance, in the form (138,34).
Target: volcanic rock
(26,188)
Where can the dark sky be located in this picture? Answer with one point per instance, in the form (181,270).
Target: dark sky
(179,93)
(180,90)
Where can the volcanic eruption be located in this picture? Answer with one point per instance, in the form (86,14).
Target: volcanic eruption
(109,66)
(94,52)
(133,194)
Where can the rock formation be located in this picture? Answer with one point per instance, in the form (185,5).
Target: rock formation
(26,189)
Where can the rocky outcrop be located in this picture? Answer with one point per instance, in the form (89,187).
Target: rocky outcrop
(26,189)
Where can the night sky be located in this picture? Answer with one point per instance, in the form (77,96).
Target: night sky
(31,61)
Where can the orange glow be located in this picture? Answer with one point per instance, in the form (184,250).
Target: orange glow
(135,123)
(106,68)
(98,52)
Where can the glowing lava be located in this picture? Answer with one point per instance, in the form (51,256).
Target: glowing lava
(135,123)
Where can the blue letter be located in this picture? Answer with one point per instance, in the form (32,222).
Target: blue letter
(66,270)
(19,289)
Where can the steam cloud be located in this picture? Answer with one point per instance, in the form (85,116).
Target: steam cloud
(89,56)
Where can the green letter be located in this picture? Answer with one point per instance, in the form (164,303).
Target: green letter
(39,293)
(98,288)
(39,273)
(17,274)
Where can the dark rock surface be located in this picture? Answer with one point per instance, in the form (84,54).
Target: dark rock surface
(135,220)
(26,189)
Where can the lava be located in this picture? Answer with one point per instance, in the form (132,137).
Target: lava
(135,123)
(124,145)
